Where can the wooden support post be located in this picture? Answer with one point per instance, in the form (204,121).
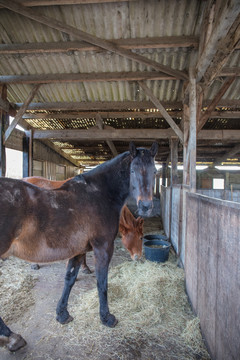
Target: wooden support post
(185,145)
(164,173)
(2,147)
(4,121)
(28,154)
(157,181)
(192,133)
(190,139)
(174,160)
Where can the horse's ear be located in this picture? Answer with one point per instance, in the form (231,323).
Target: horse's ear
(154,149)
(133,149)
(122,229)
(140,221)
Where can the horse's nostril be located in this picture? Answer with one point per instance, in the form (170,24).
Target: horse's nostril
(145,205)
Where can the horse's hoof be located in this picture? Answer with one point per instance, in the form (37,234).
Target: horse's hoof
(64,320)
(35,267)
(86,270)
(16,342)
(111,321)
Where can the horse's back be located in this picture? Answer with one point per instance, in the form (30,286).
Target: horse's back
(47,225)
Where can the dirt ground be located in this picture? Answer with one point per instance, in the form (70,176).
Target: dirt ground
(34,317)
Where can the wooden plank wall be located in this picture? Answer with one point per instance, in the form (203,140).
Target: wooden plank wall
(221,194)
(212,271)
(176,215)
(166,208)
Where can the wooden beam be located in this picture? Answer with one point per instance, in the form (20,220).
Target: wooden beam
(235,150)
(221,114)
(83,77)
(91,77)
(81,35)
(227,83)
(32,3)
(111,115)
(226,46)
(221,135)
(164,113)
(110,144)
(130,134)
(106,134)
(118,105)
(164,42)
(20,113)
(222,25)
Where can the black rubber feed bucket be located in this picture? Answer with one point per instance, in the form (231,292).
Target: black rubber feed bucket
(155,237)
(156,250)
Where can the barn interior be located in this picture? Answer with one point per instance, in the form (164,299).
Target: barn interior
(83,78)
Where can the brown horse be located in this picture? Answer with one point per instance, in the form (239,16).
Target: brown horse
(48,225)
(130,228)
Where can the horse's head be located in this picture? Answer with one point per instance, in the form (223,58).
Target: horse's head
(142,177)
(131,230)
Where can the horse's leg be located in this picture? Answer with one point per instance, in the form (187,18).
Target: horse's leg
(84,268)
(71,274)
(103,257)
(7,337)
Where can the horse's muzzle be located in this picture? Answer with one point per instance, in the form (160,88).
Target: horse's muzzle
(145,207)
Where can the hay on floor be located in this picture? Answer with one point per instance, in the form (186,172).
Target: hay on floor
(16,281)
(150,303)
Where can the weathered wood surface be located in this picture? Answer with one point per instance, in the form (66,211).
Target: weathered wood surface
(212,261)
(176,214)
(81,35)
(129,43)
(166,208)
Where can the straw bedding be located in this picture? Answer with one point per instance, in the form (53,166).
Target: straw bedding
(148,299)
(15,285)
(155,319)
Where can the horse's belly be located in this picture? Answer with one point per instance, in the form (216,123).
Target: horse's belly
(43,253)
(38,247)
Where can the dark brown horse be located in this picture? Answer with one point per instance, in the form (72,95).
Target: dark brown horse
(131,229)
(47,225)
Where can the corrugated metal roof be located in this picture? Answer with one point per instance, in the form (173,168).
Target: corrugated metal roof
(117,20)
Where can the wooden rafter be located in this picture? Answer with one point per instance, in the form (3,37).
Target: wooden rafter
(163,111)
(164,42)
(20,112)
(235,150)
(222,26)
(100,76)
(124,115)
(32,3)
(81,35)
(226,46)
(227,83)
(83,77)
(94,134)
(117,105)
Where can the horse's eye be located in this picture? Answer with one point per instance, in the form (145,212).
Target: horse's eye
(132,171)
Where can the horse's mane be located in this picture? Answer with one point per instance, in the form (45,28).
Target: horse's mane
(106,165)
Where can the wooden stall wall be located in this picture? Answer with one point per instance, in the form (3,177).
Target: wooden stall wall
(212,270)
(176,216)
(166,209)
(233,195)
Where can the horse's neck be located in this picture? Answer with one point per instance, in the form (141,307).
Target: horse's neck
(114,176)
